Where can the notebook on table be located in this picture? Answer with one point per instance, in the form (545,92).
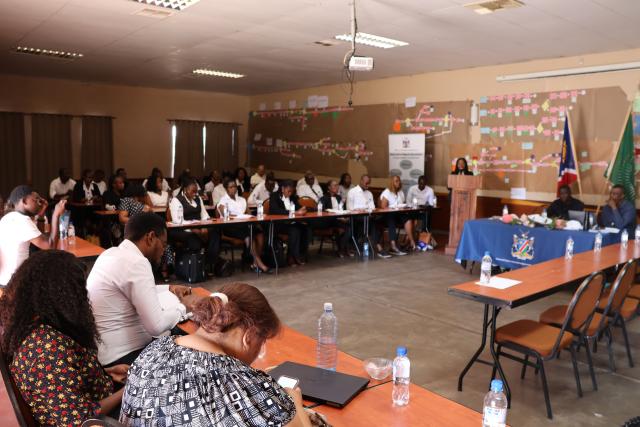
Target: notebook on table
(322,386)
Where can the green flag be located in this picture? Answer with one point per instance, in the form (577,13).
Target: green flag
(623,170)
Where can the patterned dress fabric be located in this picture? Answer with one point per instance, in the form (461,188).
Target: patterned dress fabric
(61,381)
(171,385)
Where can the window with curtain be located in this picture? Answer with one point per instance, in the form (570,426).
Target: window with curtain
(188,147)
(97,143)
(13,171)
(221,147)
(50,148)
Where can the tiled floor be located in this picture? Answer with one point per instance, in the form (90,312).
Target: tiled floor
(381,304)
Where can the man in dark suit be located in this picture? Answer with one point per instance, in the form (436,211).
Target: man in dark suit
(332,200)
(564,203)
(280,203)
(85,189)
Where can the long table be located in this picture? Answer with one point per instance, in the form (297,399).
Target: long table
(78,247)
(537,281)
(373,406)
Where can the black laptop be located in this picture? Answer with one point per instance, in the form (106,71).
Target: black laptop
(322,386)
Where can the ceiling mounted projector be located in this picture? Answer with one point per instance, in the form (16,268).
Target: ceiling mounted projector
(360,63)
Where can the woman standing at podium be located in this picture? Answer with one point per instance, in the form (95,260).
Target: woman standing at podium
(461,167)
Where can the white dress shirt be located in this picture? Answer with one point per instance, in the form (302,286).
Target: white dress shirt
(287,203)
(260,192)
(125,303)
(57,188)
(218,193)
(237,206)
(102,186)
(88,191)
(165,184)
(16,231)
(314,192)
(161,199)
(360,199)
(424,197)
(175,204)
(394,199)
(257,179)
(177,190)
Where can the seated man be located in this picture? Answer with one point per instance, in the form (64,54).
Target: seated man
(18,229)
(564,203)
(618,212)
(280,203)
(425,196)
(257,177)
(360,198)
(62,186)
(124,296)
(309,187)
(332,200)
(263,190)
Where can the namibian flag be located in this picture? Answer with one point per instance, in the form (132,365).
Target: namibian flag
(567,173)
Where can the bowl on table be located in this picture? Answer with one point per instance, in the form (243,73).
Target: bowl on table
(378,368)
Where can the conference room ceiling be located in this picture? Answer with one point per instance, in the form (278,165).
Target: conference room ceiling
(272,41)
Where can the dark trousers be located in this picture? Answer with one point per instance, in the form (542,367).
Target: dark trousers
(374,232)
(298,235)
(343,228)
(193,243)
(393,220)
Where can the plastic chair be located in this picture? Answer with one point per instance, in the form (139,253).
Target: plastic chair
(20,406)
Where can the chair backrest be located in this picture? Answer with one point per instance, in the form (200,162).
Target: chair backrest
(620,288)
(20,407)
(582,306)
(265,206)
(307,202)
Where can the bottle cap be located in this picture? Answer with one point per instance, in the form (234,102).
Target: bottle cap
(486,253)
(401,351)
(328,306)
(496,386)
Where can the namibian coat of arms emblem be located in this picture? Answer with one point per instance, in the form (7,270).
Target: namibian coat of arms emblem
(522,247)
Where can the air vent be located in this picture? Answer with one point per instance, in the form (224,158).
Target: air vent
(169,4)
(154,13)
(490,6)
(59,54)
(327,43)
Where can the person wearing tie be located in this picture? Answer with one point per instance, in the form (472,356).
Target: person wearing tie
(309,187)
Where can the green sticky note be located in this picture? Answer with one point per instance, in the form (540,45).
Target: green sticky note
(585,167)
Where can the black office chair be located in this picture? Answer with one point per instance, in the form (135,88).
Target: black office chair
(20,407)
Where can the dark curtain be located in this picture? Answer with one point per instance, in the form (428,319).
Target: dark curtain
(222,147)
(50,150)
(97,143)
(188,152)
(13,170)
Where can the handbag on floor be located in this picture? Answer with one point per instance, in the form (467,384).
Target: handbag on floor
(190,267)
(427,238)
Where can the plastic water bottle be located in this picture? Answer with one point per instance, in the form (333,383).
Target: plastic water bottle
(63,229)
(319,207)
(327,347)
(401,374)
(414,202)
(292,211)
(71,233)
(636,235)
(225,213)
(47,226)
(597,244)
(485,268)
(544,213)
(365,250)
(624,238)
(494,413)
(568,250)
(180,209)
(260,209)
(505,210)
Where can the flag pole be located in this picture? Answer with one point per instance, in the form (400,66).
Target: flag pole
(573,152)
(615,153)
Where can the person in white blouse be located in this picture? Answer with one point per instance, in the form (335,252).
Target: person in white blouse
(237,205)
(258,177)
(424,196)
(155,172)
(393,197)
(309,187)
(263,190)
(125,299)
(214,189)
(360,198)
(344,185)
(98,179)
(188,206)
(157,195)
(62,186)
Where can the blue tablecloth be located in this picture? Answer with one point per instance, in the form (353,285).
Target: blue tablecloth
(517,246)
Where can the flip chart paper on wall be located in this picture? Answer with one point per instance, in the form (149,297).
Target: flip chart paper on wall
(323,101)
(312,101)
(257,137)
(410,102)
(519,193)
(262,106)
(277,105)
(292,104)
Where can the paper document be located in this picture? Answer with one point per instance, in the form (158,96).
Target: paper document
(605,230)
(337,211)
(500,283)
(242,216)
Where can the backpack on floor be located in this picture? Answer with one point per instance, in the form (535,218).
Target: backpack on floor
(190,267)
(223,268)
(280,255)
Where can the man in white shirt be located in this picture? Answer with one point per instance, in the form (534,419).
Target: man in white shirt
(18,229)
(309,187)
(360,198)
(263,190)
(62,186)
(425,197)
(257,177)
(128,306)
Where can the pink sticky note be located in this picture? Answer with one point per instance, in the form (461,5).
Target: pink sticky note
(547,132)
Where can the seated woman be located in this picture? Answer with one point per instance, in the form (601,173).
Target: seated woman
(242,181)
(344,185)
(298,233)
(205,379)
(237,205)
(392,197)
(50,336)
(157,196)
(188,206)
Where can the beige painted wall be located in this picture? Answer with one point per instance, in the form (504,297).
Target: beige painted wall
(471,84)
(142,135)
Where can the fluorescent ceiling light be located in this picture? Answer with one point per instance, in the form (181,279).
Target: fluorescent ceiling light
(485,7)
(371,40)
(48,52)
(170,4)
(570,72)
(207,72)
